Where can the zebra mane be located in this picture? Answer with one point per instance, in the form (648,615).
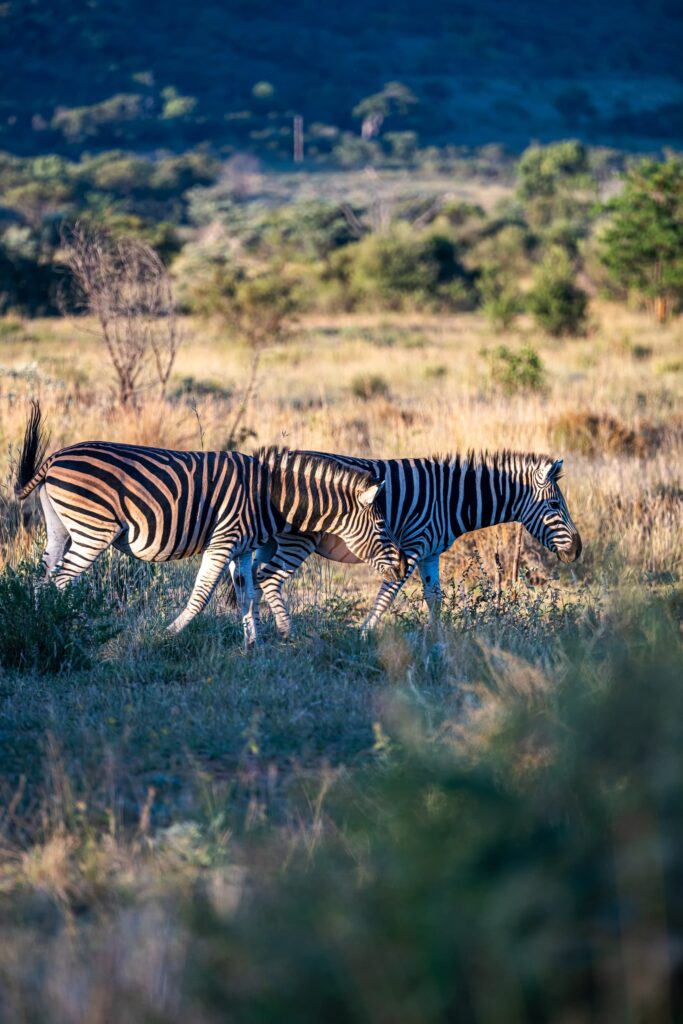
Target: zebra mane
(505,460)
(288,463)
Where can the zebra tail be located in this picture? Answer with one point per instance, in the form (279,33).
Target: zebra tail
(36,440)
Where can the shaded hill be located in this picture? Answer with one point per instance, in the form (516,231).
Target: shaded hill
(142,76)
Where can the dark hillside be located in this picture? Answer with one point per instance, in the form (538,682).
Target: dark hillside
(144,75)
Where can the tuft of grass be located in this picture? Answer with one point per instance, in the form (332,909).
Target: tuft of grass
(46,630)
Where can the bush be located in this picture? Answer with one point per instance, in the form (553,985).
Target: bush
(367,386)
(259,309)
(49,630)
(501,300)
(400,266)
(558,305)
(515,372)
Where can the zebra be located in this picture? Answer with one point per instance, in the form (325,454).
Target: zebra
(157,505)
(430,502)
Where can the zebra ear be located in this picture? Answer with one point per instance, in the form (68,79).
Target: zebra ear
(369,495)
(553,471)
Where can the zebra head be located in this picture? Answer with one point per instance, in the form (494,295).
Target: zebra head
(372,540)
(544,513)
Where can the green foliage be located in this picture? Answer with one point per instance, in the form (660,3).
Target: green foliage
(501,300)
(394,98)
(558,305)
(352,151)
(263,90)
(642,245)
(260,309)
(27,285)
(110,118)
(515,371)
(175,105)
(79,75)
(403,146)
(555,181)
(543,170)
(403,266)
(45,630)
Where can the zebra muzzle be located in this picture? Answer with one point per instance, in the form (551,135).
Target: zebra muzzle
(572,553)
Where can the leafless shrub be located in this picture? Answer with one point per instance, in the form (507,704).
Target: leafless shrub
(124,285)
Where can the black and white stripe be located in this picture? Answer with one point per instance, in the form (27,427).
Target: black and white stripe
(159,505)
(430,502)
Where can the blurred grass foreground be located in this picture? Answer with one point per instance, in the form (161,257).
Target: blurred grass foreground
(526,867)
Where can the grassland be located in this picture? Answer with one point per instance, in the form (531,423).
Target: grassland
(472,821)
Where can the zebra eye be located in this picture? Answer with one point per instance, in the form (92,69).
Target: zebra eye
(553,504)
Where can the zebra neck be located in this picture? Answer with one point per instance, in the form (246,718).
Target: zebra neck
(480,495)
(298,500)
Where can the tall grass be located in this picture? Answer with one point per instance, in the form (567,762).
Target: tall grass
(474,820)
(519,860)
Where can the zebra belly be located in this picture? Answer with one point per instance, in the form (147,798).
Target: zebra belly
(332,547)
(138,549)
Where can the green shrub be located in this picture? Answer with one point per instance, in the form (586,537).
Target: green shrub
(399,266)
(515,371)
(371,385)
(558,305)
(48,630)
(259,309)
(500,299)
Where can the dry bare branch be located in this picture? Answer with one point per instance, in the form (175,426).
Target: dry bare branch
(125,286)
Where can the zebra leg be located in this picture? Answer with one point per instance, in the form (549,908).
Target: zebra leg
(58,537)
(291,552)
(243,581)
(214,563)
(385,597)
(431,585)
(81,553)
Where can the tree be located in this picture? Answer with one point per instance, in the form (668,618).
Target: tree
(394,98)
(124,285)
(555,181)
(642,245)
(556,302)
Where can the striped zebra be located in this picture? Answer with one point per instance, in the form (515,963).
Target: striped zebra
(430,502)
(159,505)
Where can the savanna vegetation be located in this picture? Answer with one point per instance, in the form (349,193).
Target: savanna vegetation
(476,819)
(333,827)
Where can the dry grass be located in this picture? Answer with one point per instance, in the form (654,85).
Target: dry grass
(627,446)
(139,784)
